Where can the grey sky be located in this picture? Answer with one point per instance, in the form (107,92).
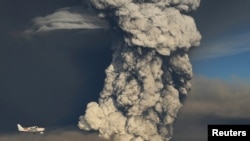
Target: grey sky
(224,25)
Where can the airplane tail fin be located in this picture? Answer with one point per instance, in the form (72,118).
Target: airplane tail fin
(20,128)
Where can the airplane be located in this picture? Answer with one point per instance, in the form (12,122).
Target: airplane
(33,129)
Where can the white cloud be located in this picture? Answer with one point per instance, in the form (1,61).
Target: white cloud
(67,18)
(222,47)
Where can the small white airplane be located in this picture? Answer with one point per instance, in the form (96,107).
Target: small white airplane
(33,129)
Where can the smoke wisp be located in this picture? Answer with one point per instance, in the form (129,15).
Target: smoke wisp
(150,72)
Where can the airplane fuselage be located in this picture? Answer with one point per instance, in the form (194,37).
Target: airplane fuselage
(33,129)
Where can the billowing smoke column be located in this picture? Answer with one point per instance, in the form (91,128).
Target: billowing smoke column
(150,71)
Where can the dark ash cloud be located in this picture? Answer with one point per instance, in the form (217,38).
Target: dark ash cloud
(212,101)
(57,135)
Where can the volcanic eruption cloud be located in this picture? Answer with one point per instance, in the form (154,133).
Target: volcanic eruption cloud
(150,72)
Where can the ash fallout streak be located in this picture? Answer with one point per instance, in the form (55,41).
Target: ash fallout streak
(150,71)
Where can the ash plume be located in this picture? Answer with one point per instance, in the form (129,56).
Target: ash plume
(150,71)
